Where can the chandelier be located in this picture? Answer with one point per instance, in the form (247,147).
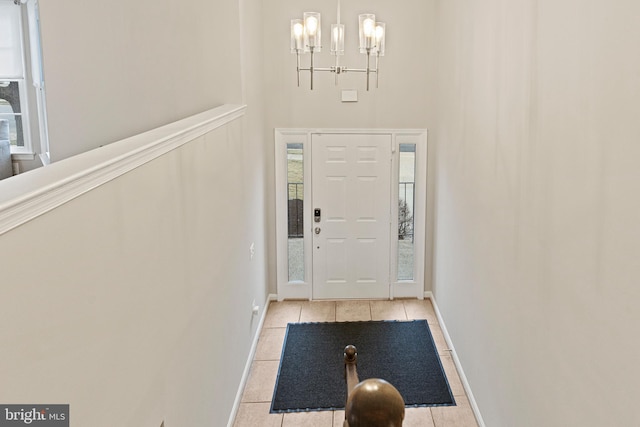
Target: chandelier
(306,37)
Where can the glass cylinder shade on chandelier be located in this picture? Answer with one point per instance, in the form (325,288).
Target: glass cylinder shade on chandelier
(380,38)
(337,39)
(312,32)
(306,37)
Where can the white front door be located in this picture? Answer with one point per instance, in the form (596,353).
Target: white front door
(351,191)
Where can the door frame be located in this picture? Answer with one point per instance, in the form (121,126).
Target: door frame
(302,289)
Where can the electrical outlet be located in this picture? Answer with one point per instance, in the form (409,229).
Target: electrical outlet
(255,309)
(252,250)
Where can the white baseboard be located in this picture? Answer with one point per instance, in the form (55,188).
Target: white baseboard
(456,361)
(247,366)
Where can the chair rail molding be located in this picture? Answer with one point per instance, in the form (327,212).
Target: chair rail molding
(27,196)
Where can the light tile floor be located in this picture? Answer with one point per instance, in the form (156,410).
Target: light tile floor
(256,399)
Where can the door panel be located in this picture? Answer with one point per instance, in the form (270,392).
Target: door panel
(351,176)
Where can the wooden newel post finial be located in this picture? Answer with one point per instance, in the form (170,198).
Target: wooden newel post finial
(350,354)
(371,403)
(350,365)
(374,403)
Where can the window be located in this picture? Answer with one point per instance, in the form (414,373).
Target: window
(10,110)
(295,209)
(406,209)
(21,77)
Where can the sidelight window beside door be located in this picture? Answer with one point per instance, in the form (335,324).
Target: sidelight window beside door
(295,209)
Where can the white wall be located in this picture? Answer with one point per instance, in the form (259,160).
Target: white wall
(403,100)
(255,150)
(133,302)
(537,231)
(139,309)
(115,69)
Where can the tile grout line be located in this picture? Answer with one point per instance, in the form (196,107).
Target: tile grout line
(433,421)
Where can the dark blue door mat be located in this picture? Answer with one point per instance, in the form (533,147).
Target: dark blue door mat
(311,372)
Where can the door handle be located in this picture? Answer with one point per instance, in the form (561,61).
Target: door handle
(317,230)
